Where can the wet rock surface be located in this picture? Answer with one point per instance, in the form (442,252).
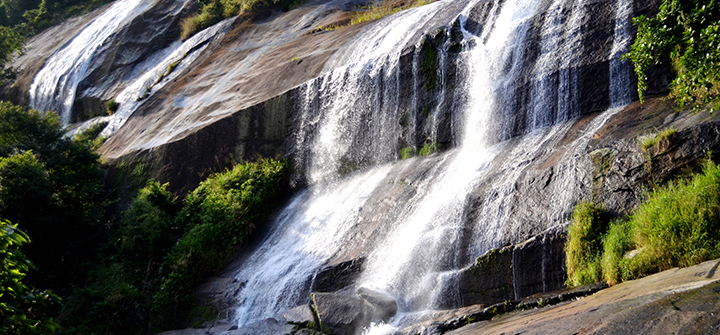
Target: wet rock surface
(679,301)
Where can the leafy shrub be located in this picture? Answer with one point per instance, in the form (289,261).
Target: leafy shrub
(112,106)
(22,308)
(687,33)
(614,266)
(676,225)
(51,189)
(429,148)
(219,214)
(407,152)
(163,248)
(584,244)
(384,9)
(214,11)
(651,140)
(11,43)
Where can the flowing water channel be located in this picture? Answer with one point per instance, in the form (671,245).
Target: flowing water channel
(420,251)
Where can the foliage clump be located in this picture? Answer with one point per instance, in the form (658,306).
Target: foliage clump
(163,247)
(30,17)
(676,225)
(653,139)
(687,33)
(584,244)
(21,307)
(50,186)
(214,11)
(112,106)
(407,152)
(429,148)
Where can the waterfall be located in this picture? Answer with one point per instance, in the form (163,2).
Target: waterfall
(55,86)
(621,71)
(353,117)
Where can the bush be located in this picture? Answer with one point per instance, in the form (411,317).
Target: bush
(214,11)
(676,225)
(688,33)
(407,152)
(584,244)
(163,248)
(111,106)
(22,309)
(429,149)
(220,214)
(50,187)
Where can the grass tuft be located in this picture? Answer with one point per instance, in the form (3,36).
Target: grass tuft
(585,244)
(676,225)
(407,152)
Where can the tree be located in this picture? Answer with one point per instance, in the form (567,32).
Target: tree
(11,44)
(687,32)
(50,186)
(21,307)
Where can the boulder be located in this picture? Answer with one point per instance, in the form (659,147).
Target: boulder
(383,305)
(302,314)
(344,314)
(266,327)
(539,264)
(338,276)
(489,280)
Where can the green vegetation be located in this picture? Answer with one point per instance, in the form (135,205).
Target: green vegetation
(653,139)
(30,17)
(387,7)
(489,261)
(112,106)
(429,66)
(584,244)
(677,225)
(164,247)
(50,187)
(429,148)
(407,152)
(22,308)
(375,12)
(687,33)
(214,11)
(126,273)
(11,44)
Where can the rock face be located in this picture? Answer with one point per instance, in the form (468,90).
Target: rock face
(679,301)
(115,62)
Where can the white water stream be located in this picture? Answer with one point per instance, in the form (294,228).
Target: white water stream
(54,87)
(417,259)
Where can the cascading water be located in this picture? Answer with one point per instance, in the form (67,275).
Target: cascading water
(54,87)
(350,120)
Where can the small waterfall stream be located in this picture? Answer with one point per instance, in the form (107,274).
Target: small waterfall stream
(54,87)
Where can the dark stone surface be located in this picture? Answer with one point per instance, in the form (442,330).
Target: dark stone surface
(490,280)
(338,276)
(299,314)
(265,327)
(383,306)
(345,314)
(539,264)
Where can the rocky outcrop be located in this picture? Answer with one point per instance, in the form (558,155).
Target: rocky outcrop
(677,301)
(38,49)
(116,62)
